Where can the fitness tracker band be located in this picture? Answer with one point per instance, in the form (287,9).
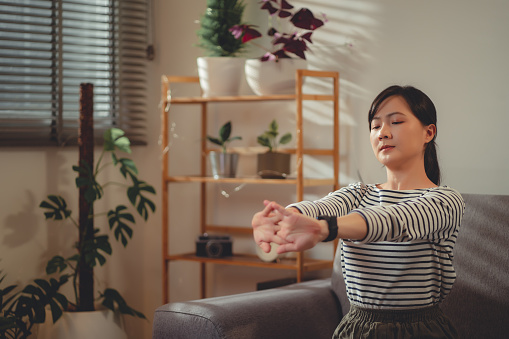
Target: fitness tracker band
(332,222)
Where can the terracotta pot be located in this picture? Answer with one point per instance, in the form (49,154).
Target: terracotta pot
(223,165)
(220,76)
(271,77)
(273,165)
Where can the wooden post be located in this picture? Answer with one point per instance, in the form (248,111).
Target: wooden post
(86,222)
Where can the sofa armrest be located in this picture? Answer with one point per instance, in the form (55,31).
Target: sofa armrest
(304,310)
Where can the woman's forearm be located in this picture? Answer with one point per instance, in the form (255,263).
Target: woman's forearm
(352,226)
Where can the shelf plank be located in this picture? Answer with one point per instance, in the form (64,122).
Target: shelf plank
(249,98)
(254,261)
(261,149)
(229,229)
(242,98)
(318,97)
(249,180)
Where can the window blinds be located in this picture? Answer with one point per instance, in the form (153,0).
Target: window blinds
(49,47)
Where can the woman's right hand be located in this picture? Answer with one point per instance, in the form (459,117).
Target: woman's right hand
(265,226)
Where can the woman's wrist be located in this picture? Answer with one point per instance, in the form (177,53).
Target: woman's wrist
(324,230)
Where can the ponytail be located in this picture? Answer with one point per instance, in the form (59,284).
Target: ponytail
(431,162)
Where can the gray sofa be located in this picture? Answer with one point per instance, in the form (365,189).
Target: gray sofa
(478,304)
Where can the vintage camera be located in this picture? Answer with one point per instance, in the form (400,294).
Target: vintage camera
(213,246)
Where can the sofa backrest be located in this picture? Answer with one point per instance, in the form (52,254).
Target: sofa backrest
(478,304)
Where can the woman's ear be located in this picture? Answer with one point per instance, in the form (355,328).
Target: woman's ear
(431,132)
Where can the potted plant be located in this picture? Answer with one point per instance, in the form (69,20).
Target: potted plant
(221,70)
(21,310)
(274,72)
(92,245)
(223,164)
(273,164)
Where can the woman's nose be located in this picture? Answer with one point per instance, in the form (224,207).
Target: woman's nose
(385,133)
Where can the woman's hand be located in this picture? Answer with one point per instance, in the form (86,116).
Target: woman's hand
(292,231)
(298,232)
(265,227)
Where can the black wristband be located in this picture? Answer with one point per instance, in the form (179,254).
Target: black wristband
(332,222)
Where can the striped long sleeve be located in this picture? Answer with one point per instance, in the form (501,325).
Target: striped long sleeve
(406,258)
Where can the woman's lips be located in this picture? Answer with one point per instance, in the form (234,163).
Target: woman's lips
(386,147)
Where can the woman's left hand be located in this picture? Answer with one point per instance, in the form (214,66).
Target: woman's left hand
(297,232)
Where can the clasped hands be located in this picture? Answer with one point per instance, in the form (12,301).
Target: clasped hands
(291,230)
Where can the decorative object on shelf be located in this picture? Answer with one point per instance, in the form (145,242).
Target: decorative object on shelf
(274,72)
(294,42)
(220,71)
(223,164)
(214,246)
(273,164)
(269,78)
(220,76)
(268,257)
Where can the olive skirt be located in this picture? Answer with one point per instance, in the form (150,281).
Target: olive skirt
(429,322)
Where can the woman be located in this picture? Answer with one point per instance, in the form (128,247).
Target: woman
(397,237)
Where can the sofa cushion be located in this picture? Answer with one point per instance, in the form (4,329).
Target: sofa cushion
(478,304)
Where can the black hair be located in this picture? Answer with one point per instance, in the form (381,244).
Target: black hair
(424,110)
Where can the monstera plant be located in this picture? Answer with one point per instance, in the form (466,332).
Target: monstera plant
(20,310)
(92,245)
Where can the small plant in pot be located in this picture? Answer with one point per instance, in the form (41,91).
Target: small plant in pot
(273,164)
(223,164)
(290,31)
(284,44)
(221,69)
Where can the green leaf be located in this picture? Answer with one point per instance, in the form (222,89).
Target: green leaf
(57,206)
(273,126)
(225,131)
(94,190)
(127,166)
(116,221)
(92,249)
(7,323)
(285,138)
(235,138)
(264,141)
(114,138)
(112,297)
(142,204)
(57,263)
(215,141)
(34,299)
(271,134)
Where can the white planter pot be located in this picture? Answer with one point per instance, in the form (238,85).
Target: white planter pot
(270,77)
(83,325)
(220,76)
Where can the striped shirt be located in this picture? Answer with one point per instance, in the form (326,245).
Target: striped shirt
(405,260)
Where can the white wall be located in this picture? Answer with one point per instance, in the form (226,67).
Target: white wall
(453,50)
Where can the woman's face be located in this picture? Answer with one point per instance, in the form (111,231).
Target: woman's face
(397,137)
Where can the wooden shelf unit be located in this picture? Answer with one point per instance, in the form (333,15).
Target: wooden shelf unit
(299,264)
